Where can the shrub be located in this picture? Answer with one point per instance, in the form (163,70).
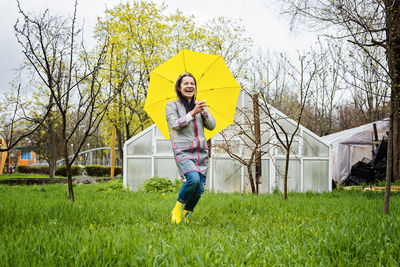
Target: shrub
(94,170)
(37,188)
(383,183)
(33,169)
(99,171)
(114,184)
(160,185)
(91,170)
(62,170)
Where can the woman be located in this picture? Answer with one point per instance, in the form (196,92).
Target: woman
(186,119)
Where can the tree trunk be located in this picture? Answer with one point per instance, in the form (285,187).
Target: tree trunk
(392,10)
(69,175)
(120,146)
(286,174)
(395,93)
(53,150)
(52,166)
(70,186)
(250,172)
(389,167)
(256,110)
(396,141)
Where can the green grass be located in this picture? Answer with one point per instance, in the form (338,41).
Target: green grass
(39,226)
(26,175)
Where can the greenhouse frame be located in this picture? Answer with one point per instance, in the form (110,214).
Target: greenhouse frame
(353,145)
(149,154)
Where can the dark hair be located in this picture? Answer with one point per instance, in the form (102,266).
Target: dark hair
(189,105)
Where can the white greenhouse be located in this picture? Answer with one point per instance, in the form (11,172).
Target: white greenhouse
(149,154)
(352,145)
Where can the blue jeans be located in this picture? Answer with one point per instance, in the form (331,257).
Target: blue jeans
(191,190)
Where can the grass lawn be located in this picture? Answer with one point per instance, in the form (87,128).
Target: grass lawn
(39,226)
(26,175)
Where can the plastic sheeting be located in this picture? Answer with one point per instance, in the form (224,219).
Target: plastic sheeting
(352,145)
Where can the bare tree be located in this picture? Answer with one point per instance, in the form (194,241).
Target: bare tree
(268,74)
(228,38)
(51,46)
(369,83)
(46,136)
(253,135)
(15,121)
(366,24)
(246,141)
(243,144)
(327,91)
(302,78)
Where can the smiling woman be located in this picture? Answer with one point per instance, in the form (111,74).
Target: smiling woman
(187,119)
(187,87)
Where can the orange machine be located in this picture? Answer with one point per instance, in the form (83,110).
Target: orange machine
(3,155)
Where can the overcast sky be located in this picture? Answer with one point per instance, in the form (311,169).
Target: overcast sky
(260,18)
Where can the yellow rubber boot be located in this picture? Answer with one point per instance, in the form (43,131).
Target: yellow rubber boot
(177,213)
(187,216)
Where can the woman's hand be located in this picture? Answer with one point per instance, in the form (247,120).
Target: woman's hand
(198,108)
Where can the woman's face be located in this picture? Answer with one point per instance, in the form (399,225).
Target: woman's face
(188,87)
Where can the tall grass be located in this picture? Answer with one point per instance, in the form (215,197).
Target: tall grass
(39,226)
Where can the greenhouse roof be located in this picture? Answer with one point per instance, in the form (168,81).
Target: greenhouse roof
(358,135)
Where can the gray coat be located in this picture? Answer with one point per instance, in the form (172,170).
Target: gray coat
(187,136)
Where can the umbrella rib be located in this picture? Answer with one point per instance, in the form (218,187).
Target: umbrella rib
(219,113)
(211,89)
(218,88)
(202,75)
(165,99)
(155,73)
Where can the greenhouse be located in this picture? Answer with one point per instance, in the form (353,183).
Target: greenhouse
(149,154)
(353,145)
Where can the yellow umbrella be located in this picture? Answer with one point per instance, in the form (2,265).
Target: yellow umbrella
(215,84)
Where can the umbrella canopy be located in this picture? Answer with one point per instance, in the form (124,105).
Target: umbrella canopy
(215,84)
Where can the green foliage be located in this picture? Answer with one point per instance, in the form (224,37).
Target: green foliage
(37,188)
(276,191)
(113,184)
(33,169)
(60,170)
(17,175)
(43,228)
(340,187)
(91,170)
(95,170)
(100,171)
(383,183)
(160,185)
(142,36)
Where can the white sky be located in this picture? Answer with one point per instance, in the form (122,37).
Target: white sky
(260,18)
